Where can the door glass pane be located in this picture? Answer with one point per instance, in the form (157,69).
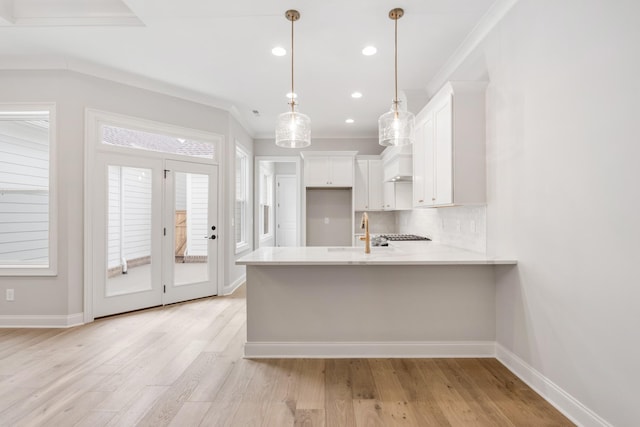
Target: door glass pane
(191,228)
(128,230)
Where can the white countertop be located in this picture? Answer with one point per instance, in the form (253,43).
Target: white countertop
(398,253)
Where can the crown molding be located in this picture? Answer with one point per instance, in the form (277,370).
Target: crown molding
(100,71)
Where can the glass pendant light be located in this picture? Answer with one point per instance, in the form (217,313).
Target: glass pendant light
(396,127)
(293,129)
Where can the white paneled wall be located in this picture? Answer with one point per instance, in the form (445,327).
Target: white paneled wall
(24,193)
(197,211)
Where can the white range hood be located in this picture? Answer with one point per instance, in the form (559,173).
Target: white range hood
(398,163)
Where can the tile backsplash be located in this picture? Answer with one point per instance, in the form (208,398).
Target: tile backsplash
(464,227)
(379,222)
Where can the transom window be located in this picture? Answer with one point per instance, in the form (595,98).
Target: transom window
(131,138)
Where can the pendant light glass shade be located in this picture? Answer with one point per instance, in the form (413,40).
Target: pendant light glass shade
(293,129)
(396,127)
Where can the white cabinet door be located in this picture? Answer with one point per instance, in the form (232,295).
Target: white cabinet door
(375,185)
(418,164)
(361,185)
(320,171)
(341,171)
(443,153)
(389,196)
(423,162)
(316,172)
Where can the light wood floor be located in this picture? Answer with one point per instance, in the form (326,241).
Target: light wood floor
(182,366)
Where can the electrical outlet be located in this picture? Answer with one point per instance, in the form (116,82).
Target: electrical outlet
(472,226)
(326,220)
(10,295)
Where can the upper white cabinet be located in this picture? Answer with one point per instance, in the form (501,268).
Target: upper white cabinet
(328,168)
(397,196)
(368,184)
(449,163)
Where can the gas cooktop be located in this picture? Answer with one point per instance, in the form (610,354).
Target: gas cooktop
(402,237)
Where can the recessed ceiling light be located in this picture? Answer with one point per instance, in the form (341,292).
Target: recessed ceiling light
(349,121)
(292,95)
(279,51)
(356,95)
(369,50)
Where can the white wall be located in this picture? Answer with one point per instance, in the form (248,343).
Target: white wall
(73,92)
(563,175)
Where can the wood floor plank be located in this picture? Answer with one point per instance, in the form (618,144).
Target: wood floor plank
(452,405)
(309,418)
(310,393)
(362,384)
(338,392)
(139,407)
(96,419)
(182,365)
(190,414)
(279,415)
(389,386)
(367,413)
(483,407)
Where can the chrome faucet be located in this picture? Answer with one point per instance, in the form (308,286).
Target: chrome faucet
(367,237)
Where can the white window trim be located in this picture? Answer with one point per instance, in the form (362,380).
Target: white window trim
(245,244)
(52,268)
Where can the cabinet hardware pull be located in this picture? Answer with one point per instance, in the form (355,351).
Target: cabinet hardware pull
(420,201)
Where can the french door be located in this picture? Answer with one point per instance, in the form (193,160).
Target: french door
(155,239)
(191,227)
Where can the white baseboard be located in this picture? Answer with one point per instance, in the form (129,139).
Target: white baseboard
(41,321)
(257,350)
(551,392)
(230,288)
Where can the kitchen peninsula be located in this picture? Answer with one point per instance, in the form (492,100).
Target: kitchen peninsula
(421,299)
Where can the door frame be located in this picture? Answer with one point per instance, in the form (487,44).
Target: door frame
(256,193)
(94,119)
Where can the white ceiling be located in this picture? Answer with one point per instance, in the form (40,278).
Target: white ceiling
(223,49)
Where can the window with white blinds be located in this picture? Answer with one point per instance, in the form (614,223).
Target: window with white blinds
(27,244)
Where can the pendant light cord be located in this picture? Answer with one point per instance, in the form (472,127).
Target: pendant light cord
(396,64)
(292,92)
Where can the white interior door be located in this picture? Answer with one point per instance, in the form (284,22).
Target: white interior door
(286,212)
(190,231)
(127,227)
